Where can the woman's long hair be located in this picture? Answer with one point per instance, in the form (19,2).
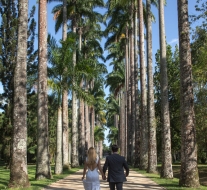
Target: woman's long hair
(92,156)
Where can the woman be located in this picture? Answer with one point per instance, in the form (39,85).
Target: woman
(92,165)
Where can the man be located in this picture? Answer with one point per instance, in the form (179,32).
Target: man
(116,165)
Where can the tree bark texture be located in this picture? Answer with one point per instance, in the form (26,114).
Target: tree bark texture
(189,172)
(18,167)
(144,129)
(166,169)
(75,162)
(43,158)
(58,155)
(65,99)
(152,150)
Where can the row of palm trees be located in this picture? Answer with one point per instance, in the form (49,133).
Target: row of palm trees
(82,75)
(71,69)
(137,122)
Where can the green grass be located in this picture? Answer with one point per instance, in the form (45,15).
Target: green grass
(35,185)
(171,184)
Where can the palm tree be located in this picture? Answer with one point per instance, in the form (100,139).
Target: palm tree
(56,86)
(98,136)
(43,159)
(18,171)
(62,13)
(65,149)
(189,172)
(113,135)
(166,170)
(152,150)
(144,130)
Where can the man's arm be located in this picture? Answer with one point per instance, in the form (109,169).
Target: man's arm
(126,167)
(100,169)
(105,166)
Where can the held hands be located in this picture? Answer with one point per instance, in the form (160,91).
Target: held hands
(82,178)
(103,177)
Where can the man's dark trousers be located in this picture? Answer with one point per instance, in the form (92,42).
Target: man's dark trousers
(119,186)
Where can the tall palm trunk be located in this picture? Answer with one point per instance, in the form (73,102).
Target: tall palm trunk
(82,130)
(122,124)
(65,99)
(58,156)
(132,77)
(43,158)
(129,115)
(87,124)
(126,96)
(81,114)
(152,152)
(18,170)
(137,125)
(75,162)
(92,125)
(144,130)
(189,171)
(129,106)
(166,169)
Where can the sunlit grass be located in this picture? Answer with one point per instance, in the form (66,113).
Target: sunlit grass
(170,184)
(35,185)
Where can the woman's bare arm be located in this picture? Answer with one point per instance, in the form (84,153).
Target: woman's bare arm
(84,170)
(100,169)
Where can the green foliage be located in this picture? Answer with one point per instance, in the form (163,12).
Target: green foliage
(98,133)
(113,135)
(112,109)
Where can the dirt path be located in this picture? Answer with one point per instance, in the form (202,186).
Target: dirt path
(134,181)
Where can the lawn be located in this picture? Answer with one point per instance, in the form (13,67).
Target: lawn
(172,184)
(35,185)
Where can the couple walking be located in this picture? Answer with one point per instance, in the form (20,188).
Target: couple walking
(115,164)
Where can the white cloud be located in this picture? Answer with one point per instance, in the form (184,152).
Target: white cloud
(173,41)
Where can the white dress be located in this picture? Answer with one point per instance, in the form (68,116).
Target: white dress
(92,179)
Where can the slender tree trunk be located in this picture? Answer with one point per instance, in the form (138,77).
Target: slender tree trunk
(129,111)
(59,158)
(144,129)
(126,94)
(152,152)
(137,125)
(166,169)
(65,100)
(87,128)
(189,171)
(75,162)
(101,149)
(82,130)
(122,125)
(92,125)
(132,78)
(18,170)
(81,115)
(43,169)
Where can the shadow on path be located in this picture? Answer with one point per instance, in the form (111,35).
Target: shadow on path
(134,181)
